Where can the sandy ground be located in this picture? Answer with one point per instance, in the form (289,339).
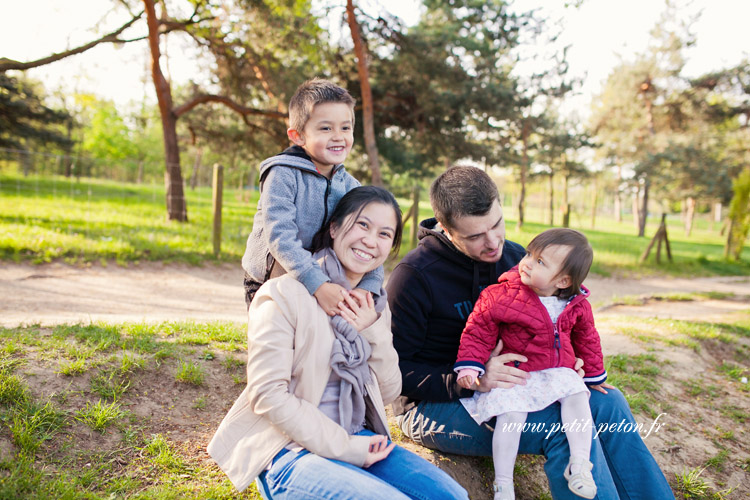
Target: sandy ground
(58,293)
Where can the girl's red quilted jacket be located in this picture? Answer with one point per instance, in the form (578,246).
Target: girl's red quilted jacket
(512,311)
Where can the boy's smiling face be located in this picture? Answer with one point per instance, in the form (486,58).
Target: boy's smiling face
(328,135)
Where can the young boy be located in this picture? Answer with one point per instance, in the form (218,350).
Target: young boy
(299,189)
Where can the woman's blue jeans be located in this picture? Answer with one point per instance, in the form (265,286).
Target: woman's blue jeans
(401,476)
(623,466)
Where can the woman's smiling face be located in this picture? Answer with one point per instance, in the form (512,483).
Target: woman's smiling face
(363,244)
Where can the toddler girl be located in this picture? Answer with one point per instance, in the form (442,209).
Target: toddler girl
(537,309)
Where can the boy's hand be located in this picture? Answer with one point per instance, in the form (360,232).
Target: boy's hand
(329,295)
(467,378)
(358,309)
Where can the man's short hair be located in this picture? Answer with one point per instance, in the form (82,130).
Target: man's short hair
(311,93)
(461,191)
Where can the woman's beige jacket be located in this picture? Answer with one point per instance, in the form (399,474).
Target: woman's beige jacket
(288,366)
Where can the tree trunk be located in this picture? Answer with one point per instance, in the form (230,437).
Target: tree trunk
(26,162)
(595,201)
(551,199)
(524,170)
(636,207)
(196,169)
(644,210)
(717,215)
(368,125)
(175,196)
(618,195)
(565,203)
(68,161)
(689,214)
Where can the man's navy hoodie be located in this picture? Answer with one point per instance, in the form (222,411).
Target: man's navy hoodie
(431,293)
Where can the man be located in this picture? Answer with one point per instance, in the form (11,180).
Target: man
(431,294)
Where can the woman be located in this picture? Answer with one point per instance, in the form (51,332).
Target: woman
(311,422)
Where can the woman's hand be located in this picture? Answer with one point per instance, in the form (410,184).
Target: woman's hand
(358,309)
(328,295)
(379,449)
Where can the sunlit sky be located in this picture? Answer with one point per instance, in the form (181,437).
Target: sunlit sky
(598,32)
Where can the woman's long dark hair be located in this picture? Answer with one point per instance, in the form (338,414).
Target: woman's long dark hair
(354,202)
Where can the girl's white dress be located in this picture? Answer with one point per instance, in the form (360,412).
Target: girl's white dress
(542,388)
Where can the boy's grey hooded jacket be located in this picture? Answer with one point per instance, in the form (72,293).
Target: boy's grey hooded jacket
(295,201)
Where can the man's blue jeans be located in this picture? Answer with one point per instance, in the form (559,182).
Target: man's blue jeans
(401,476)
(623,466)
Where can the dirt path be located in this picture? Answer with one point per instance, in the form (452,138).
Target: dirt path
(58,293)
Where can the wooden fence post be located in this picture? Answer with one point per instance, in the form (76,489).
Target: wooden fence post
(218,184)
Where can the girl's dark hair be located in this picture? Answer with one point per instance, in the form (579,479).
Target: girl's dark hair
(576,264)
(354,202)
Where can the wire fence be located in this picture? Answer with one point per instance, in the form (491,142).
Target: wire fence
(129,170)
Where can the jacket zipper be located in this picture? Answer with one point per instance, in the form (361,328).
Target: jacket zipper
(558,358)
(325,199)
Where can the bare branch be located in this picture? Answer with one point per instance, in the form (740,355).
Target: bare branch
(8,64)
(243,110)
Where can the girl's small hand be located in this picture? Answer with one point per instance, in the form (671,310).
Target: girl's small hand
(579,368)
(467,378)
(358,309)
(601,387)
(379,449)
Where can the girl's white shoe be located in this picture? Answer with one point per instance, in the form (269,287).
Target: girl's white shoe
(504,492)
(580,482)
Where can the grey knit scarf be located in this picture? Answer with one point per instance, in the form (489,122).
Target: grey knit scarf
(350,351)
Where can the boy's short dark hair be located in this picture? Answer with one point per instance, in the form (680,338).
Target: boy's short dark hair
(578,261)
(461,191)
(311,93)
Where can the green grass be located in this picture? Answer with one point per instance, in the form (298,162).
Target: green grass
(43,219)
(55,218)
(100,415)
(110,384)
(72,368)
(138,457)
(190,373)
(34,423)
(636,376)
(160,453)
(718,461)
(691,334)
(691,484)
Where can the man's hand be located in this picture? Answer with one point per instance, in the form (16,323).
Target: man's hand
(329,295)
(601,387)
(499,375)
